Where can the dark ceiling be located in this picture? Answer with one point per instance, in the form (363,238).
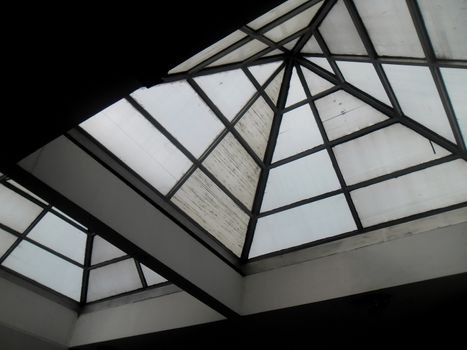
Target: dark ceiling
(66,64)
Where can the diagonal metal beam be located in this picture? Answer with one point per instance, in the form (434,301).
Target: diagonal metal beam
(267,159)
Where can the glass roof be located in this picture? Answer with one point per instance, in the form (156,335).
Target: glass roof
(317,120)
(42,244)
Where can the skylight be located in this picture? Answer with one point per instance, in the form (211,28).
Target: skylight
(317,120)
(42,244)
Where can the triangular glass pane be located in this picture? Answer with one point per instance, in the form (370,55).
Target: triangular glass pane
(435,187)
(231,164)
(343,114)
(303,178)
(183,113)
(104,251)
(6,241)
(298,132)
(321,62)
(113,279)
(273,53)
(262,72)
(24,189)
(291,44)
(59,235)
(456,84)
(229,90)
(446,26)
(312,46)
(303,224)
(16,212)
(419,99)
(135,141)
(151,277)
(390,27)
(240,54)
(339,32)
(46,268)
(363,76)
(255,126)
(210,207)
(274,87)
(315,83)
(293,25)
(384,151)
(275,13)
(296,92)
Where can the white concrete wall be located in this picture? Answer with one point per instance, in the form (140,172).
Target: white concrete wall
(152,315)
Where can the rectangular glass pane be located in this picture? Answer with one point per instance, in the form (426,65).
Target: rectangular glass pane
(6,241)
(390,27)
(231,164)
(424,190)
(213,210)
(113,279)
(151,277)
(242,53)
(455,80)
(275,13)
(137,143)
(303,224)
(339,32)
(229,90)
(16,211)
(293,25)
(446,25)
(303,178)
(60,236)
(298,132)
(384,151)
(104,251)
(343,114)
(363,76)
(209,52)
(419,99)
(46,268)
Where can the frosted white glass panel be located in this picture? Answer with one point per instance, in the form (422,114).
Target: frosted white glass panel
(273,88)
(446,24)
(60,236)
(255,126)
(231,164)
(46,268)
(296,92)
(315,83)
(424,190)
(455,80)
(16,211)
(69,218)
(419,99)
(6,240)
(321,62)
(312,46)
(24,189)
(339,32)
(291,44)
(293,25)
(135,141)
(275,13)
(206,204)
(343,114)
(151,277)
(390,27)
(104,251)
(273,53)
(113,279)
(209,52)
(298,132)
(262,72)
(229,91)
(364,77)
(384,151)
(183,113)
(306,177)
(304,224)
(242,53)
